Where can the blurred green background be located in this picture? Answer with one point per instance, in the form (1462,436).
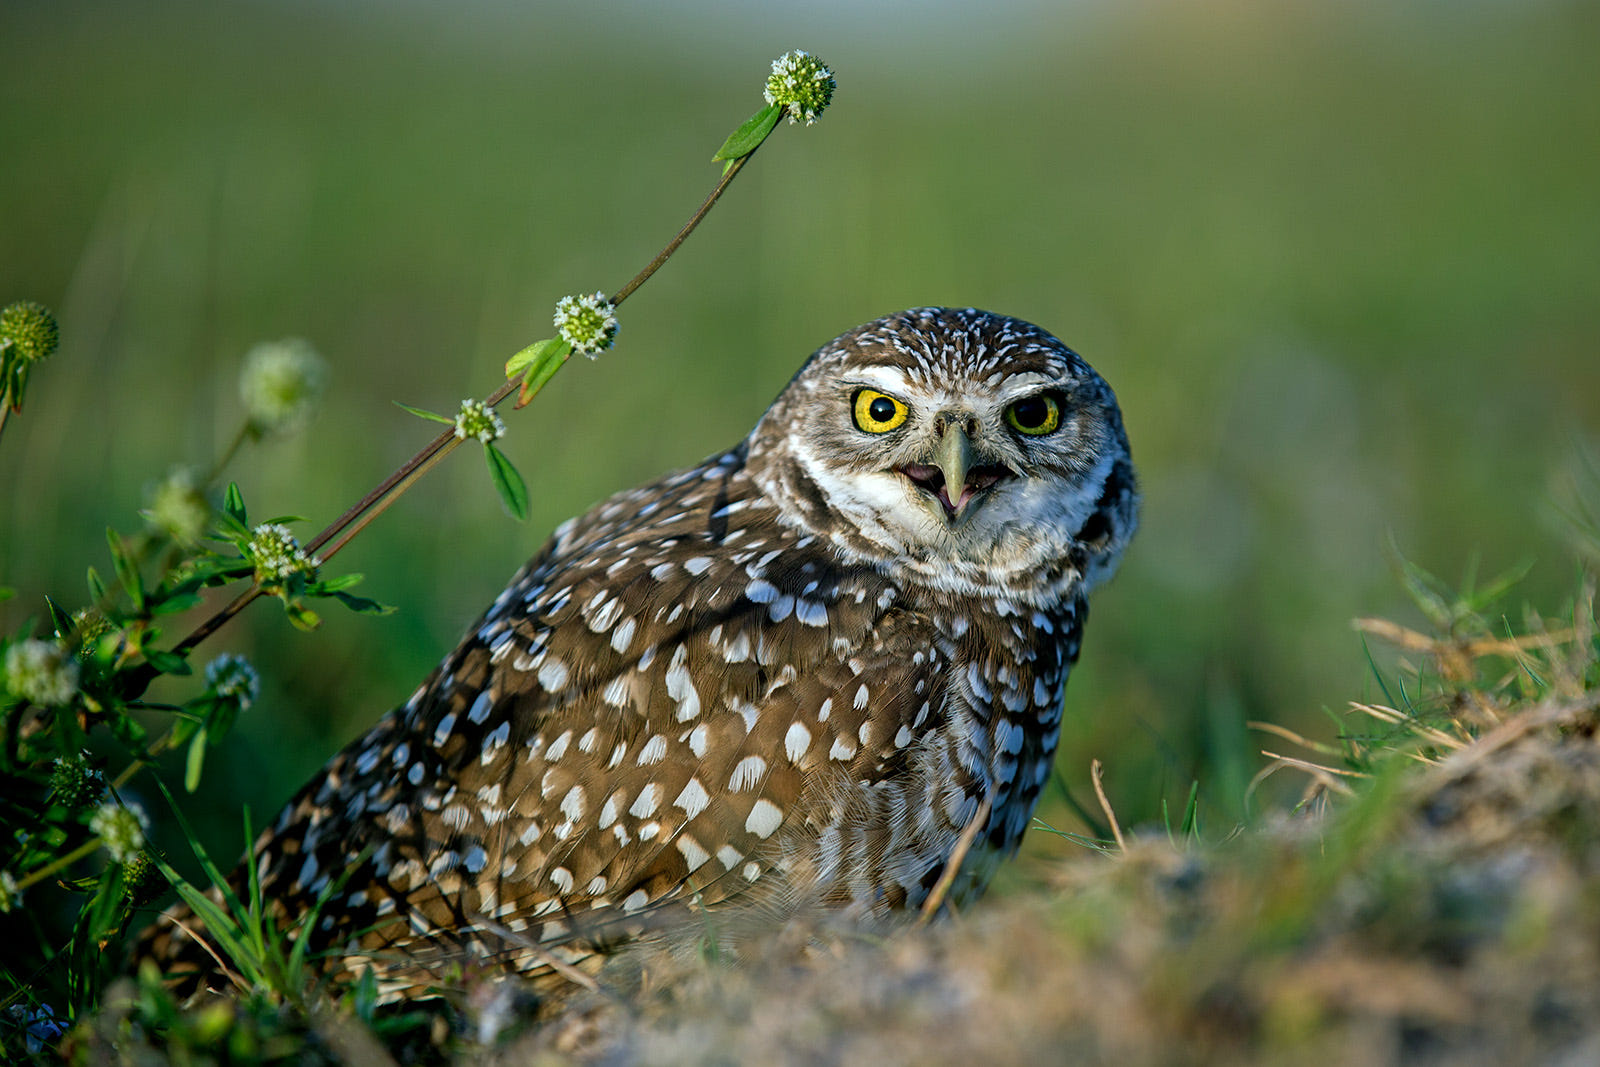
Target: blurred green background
(1341,262)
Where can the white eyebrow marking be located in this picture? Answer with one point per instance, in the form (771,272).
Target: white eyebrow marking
(1026,383)
(890,380)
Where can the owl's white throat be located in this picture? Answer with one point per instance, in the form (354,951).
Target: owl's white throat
(1010,537)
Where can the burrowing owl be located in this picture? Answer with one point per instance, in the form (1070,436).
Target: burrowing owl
(795,672)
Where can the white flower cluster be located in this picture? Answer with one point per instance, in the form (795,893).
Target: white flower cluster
(587,323)
(178,508)
(231,677)
(280,385)
(277,555)
(120,829)
(42,673)
(802,84)
(476,419)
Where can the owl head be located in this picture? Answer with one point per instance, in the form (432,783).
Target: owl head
(975,449)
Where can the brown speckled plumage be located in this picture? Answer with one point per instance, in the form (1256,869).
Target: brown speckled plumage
(791,674)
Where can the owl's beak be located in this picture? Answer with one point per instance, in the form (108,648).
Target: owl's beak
(954,457)
(956,478)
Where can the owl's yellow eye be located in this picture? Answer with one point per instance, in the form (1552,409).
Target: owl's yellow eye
(878,412)
(1035,415)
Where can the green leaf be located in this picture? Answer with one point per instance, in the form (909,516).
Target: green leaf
(535,353)
(233,505)
(550,360)
(129,731)
(172,605)
(127,570)
(196,760)
(209,910)
(422,414)
(748,137)
(302,617)
(219,720)
(329,586)
(512,489)
(1482,599)
(59,618)
(219,924)
(231,530)
(362,606)
(363,996)
(187,727)
(90,962)
(97,587)
(167,662)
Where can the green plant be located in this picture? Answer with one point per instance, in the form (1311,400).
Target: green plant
(74,694)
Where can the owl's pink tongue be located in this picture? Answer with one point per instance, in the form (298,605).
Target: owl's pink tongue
(931,479)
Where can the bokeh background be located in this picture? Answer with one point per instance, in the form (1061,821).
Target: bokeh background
(1341,262)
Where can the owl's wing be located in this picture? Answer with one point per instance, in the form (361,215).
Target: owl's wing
(659,706)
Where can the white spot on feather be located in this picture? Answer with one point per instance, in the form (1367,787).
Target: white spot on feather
(693,854)
(441,733)
(645,804)
(747,773)
(796,742)
(693,799)
(765,817)
(654,751)
(558,747)
(553,675)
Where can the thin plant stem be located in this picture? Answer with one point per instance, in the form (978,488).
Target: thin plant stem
(58,864)
(688,228)
(1096,772)
(329,542)
(227,456)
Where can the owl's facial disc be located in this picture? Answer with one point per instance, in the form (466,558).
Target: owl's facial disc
(954,476)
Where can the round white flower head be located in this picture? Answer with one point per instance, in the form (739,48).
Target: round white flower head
(178,508)
(280,385)
(277,555)
(477,419)
(42,673)
(802,84)
(587,323)
(231,677)
(10,895)
(120,829)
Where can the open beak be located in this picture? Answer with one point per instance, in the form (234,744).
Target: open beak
(955,478)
